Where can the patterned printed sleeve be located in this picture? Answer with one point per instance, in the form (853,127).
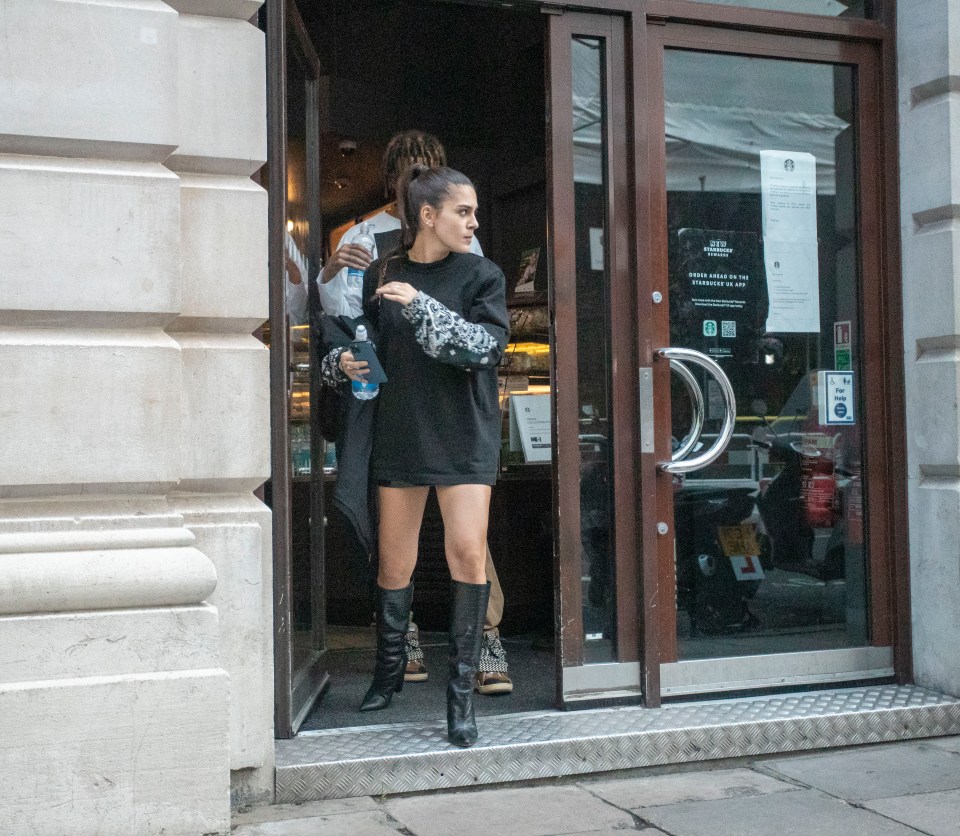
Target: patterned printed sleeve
(475,342)
(330,371)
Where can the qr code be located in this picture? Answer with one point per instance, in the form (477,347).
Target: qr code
(728,328)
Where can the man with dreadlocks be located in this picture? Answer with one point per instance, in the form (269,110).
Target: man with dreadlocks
(402,151)
(338,298)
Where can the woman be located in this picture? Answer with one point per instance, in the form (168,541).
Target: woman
(441,316)
(338,297)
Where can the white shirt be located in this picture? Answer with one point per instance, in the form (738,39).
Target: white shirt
(296,293)
(340,299)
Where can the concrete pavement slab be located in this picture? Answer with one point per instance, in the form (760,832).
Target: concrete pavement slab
(620,831)
(282,812)
(367,823)
(525,811)
(936,813)
(800,813)
(873,772)
(951,744)
(636,793)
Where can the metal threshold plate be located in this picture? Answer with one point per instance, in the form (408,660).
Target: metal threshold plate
(377,760)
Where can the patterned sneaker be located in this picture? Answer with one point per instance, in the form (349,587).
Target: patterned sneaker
(492,677)
(416,670)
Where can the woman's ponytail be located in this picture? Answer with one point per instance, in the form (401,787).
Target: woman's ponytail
(407,210)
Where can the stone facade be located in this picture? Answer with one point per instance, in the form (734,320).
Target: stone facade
(928,47)
(135,593)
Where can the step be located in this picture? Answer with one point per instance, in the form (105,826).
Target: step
(409,757)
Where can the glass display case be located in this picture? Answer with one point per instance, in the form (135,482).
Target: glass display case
(524,377)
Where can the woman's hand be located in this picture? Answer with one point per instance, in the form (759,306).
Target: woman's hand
(352,368)
(398,292)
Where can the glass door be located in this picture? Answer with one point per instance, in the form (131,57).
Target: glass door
(766,292)
(295,490)
(593,338)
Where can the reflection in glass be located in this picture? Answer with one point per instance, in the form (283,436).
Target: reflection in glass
(769,539)
(831,8)
(303,639)
(593,349)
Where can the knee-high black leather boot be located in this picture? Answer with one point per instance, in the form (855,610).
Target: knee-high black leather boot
(466,630)
(393,614)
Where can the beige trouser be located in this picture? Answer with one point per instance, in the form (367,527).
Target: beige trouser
(495,605)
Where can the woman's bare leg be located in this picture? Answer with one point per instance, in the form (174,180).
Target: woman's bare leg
(401,512)
(465,510)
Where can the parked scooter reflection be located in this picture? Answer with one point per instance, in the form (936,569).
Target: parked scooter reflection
(796,523)
(712,592)
(811,491)
(786,511)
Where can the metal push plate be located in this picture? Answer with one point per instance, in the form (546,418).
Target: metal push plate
(647,437)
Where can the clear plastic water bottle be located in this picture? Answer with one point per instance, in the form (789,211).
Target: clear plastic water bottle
(364,390)
(365,240)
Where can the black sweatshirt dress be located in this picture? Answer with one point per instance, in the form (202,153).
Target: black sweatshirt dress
(438,416)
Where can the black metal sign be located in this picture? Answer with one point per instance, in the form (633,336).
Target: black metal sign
(717,297)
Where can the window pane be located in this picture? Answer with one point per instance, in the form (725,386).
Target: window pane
(590,189)
(765,278)
(303,612)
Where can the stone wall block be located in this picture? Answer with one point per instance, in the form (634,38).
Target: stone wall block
(935,583)
(88,243)
(51,523)
(234,532)
(106,579)
(117,755)
(82,408)
(223,111)
(928,33)
(224,247)
(72,645)
(225,413)
(933,417)
(240,9)
(931,301)
(89,79)
(930,175)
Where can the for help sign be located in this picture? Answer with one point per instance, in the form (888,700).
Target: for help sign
(835,391)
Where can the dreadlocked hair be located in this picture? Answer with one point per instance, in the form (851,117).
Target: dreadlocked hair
(419,186)
(405,149)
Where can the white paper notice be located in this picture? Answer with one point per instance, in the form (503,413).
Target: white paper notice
(793,284)
(596,248)
(530,426)
(788,187)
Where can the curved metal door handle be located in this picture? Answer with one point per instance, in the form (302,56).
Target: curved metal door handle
(696,399)
(677,358)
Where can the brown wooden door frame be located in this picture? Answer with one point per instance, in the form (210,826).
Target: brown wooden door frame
(879,300)
(294,689)
(645,566)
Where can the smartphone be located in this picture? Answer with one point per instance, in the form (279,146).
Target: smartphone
(364,351)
